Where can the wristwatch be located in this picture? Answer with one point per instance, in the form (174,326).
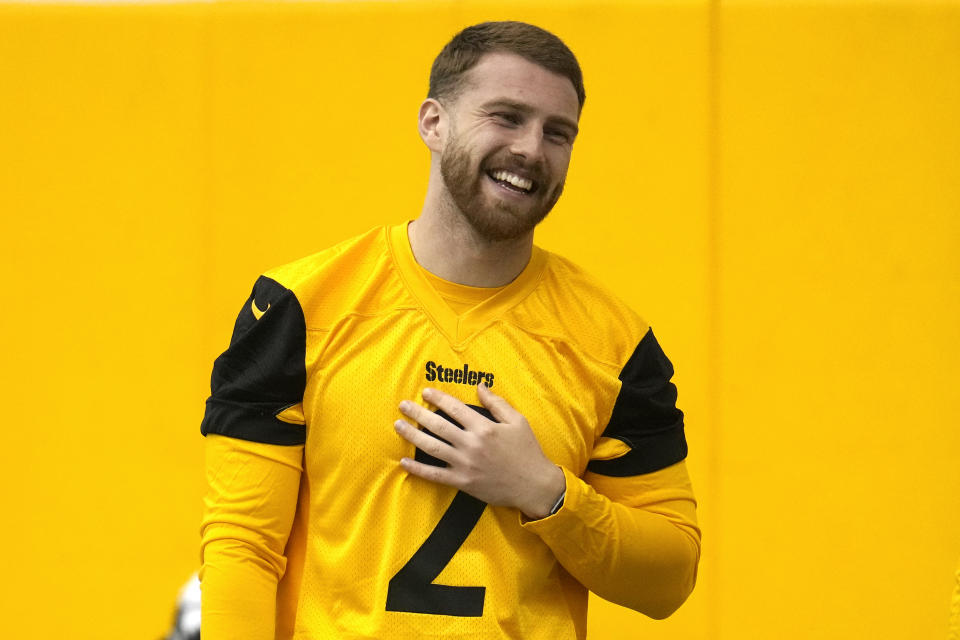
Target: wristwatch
(559,504)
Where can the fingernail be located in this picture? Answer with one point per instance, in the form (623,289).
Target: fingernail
(404,405)
(427,391)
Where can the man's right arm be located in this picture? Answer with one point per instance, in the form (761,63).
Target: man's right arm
(255,434)
(248,512)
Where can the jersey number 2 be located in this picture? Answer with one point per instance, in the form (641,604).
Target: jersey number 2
(411,588)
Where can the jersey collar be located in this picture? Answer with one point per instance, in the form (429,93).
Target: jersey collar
(460,329)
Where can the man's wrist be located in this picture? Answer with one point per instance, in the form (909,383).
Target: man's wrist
(555,490)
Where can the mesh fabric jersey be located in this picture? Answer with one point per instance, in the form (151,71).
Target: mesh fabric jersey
(303,462)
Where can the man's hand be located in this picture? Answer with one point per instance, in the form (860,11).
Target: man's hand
(499,462)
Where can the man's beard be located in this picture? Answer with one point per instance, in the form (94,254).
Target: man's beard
(500,220)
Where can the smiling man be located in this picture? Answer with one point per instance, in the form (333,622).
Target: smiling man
(521,168)
(438,429)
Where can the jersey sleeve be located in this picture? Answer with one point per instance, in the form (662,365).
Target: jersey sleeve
(249,508)
(256,390)
(254,449)
(645,420)
(632,540)
(628,529)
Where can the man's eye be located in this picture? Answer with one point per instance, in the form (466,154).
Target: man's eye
(510,118)
(560,137)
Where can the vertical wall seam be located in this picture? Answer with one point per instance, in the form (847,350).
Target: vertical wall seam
(714,257)
(212,338)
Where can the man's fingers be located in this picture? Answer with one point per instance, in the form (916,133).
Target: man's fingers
(458,411)
(499,407)
(425,442)
(442,475)
(426,418)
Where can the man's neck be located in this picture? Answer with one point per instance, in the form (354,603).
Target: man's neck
(445,244)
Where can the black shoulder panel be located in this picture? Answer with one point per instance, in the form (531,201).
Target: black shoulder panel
(645,415)
(263,372)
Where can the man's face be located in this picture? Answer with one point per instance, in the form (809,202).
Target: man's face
(508,146)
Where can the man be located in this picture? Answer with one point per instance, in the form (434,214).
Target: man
(438,429)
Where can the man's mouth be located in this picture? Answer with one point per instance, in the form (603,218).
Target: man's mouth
(512,181)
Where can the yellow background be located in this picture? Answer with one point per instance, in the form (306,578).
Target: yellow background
(774,185)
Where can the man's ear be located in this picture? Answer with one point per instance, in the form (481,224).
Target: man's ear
(432,124)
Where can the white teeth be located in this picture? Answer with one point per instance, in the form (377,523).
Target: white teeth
(515,180)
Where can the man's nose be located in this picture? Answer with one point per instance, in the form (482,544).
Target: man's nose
(528,142)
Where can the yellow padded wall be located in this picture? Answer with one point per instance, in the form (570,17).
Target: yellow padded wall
(102,198)
(839,318)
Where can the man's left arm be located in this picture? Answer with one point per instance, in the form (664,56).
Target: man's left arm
(632,540)
(627,529)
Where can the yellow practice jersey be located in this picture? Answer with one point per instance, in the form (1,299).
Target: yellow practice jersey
(303,461)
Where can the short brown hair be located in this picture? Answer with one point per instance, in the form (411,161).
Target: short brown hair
(533,43)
